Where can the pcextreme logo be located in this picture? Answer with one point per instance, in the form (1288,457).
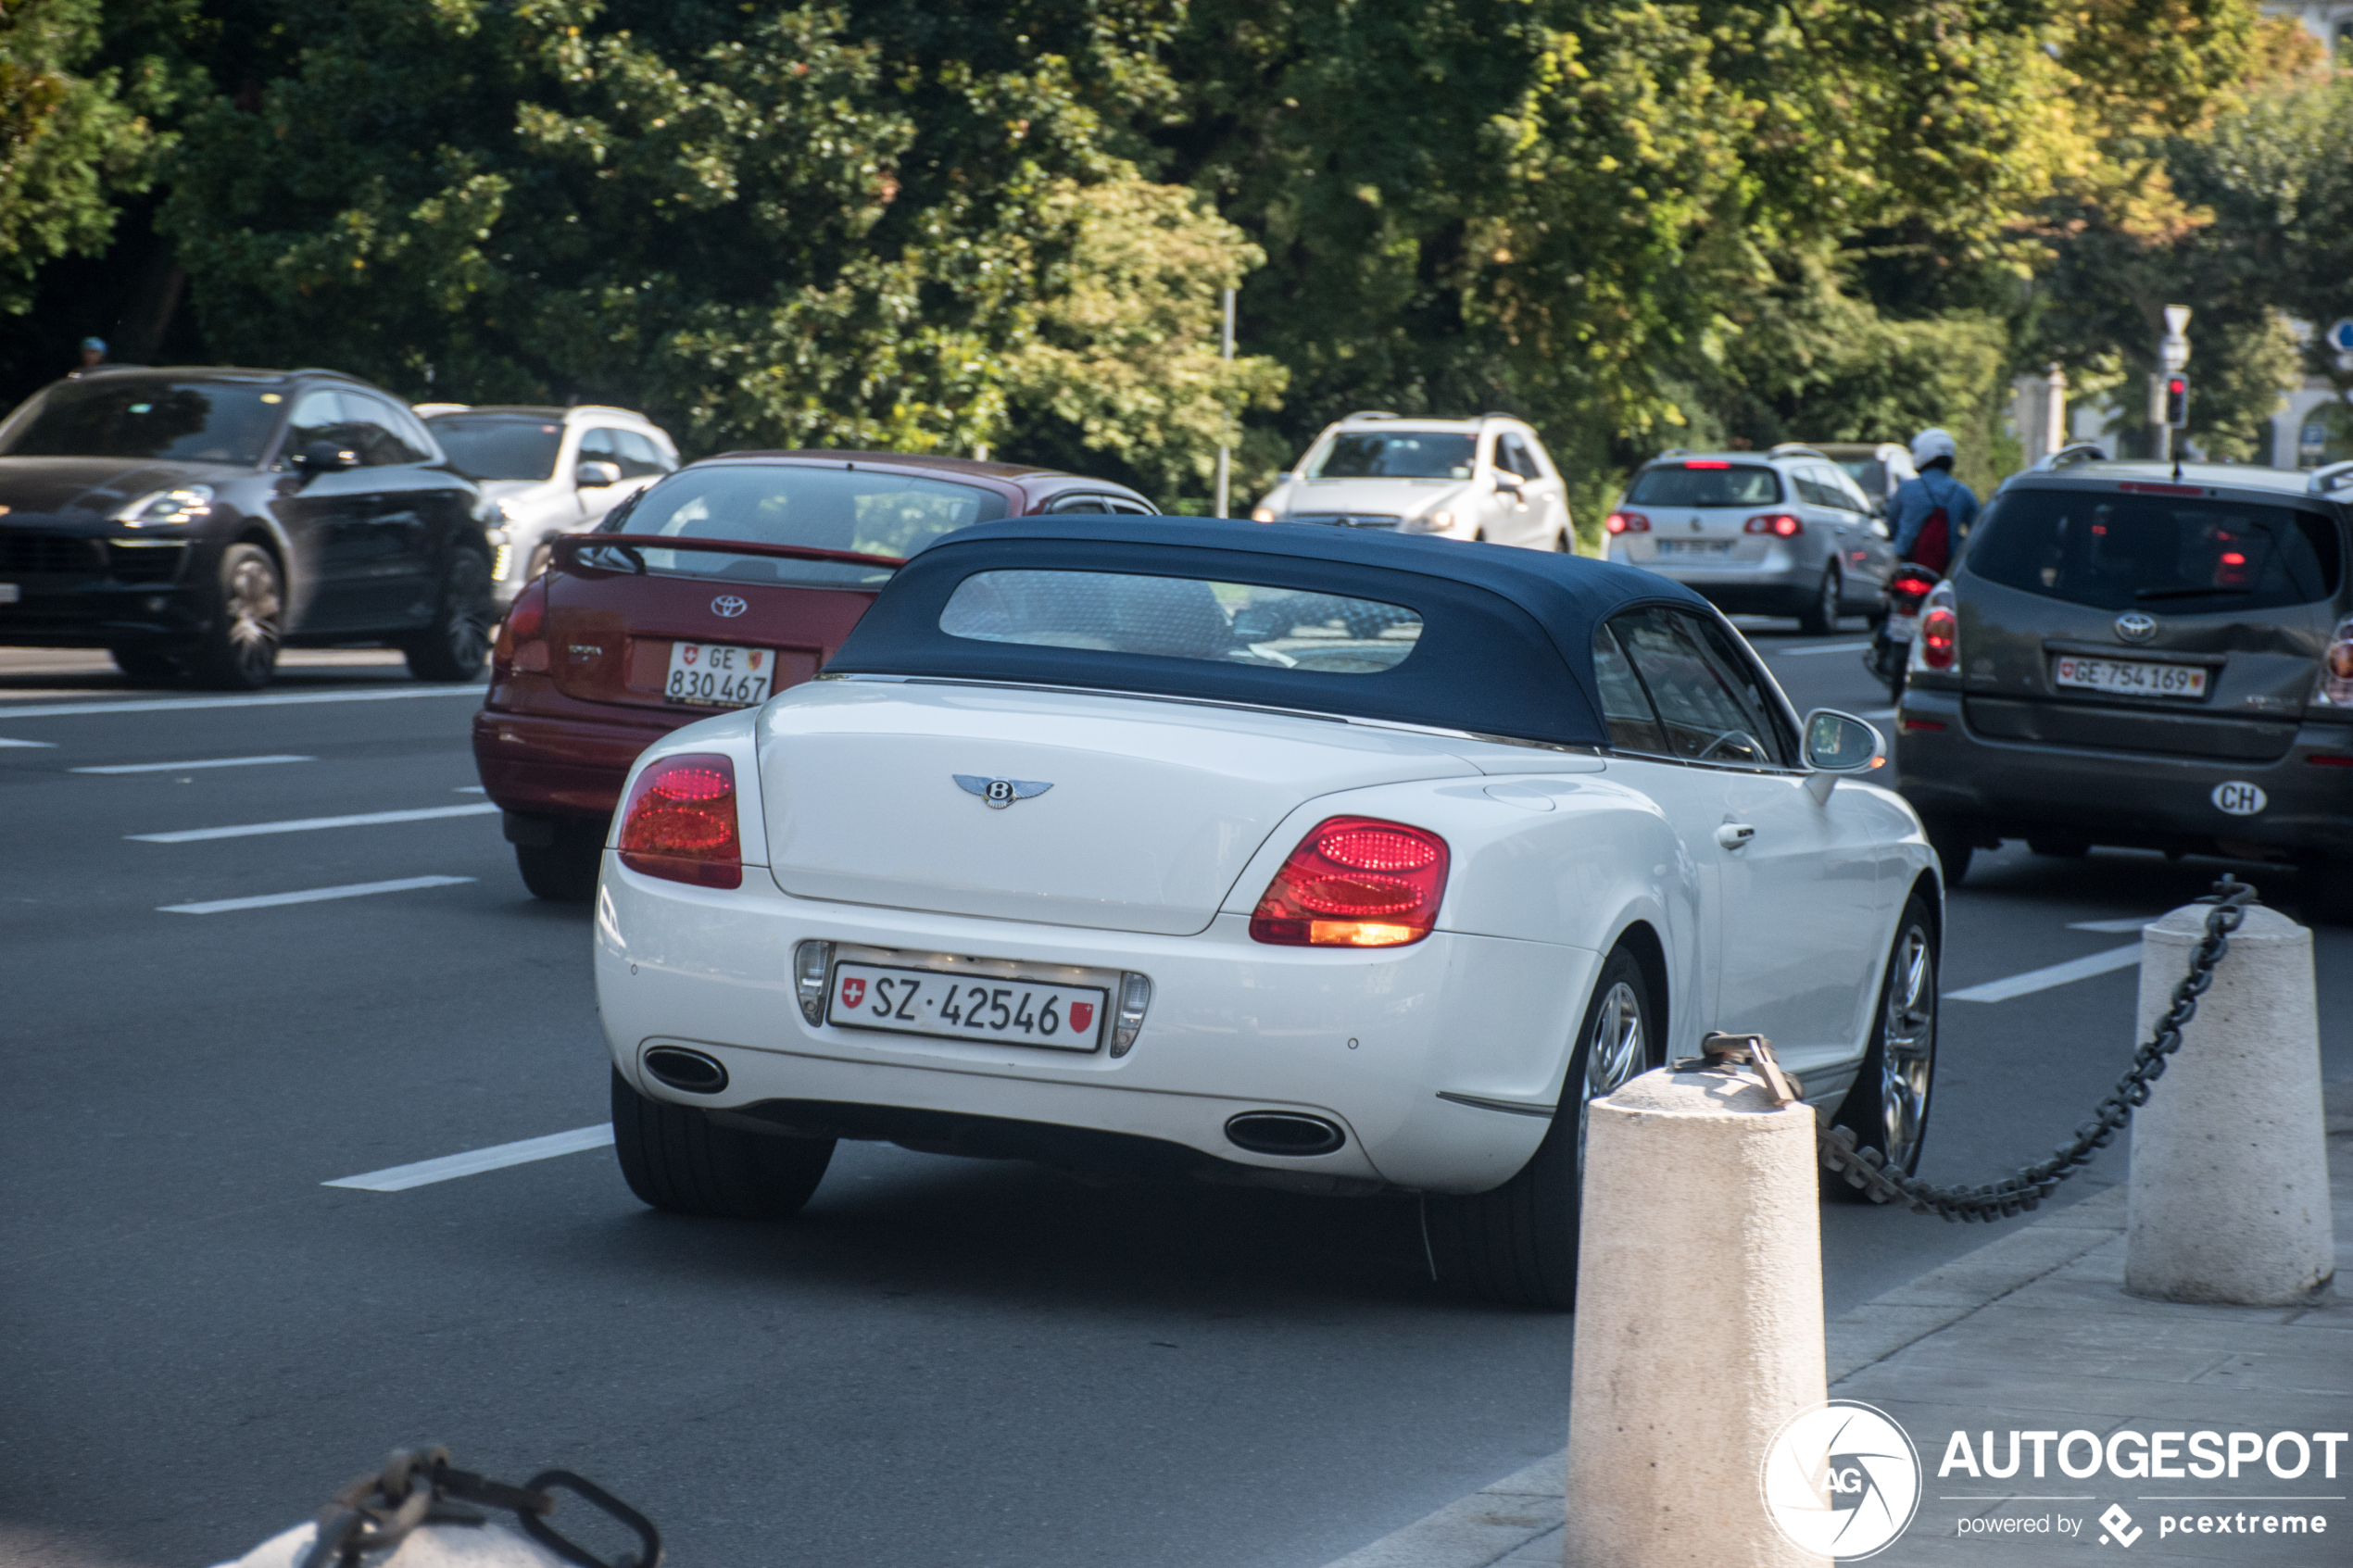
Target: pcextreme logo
(1842,1480)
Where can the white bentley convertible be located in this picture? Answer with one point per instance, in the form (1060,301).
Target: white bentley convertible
(1257,852)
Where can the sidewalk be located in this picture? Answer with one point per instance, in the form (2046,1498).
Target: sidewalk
(2035,1332)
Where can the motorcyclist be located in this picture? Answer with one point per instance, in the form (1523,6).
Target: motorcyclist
(1931,513)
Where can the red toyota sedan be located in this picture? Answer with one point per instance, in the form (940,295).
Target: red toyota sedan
(725,583)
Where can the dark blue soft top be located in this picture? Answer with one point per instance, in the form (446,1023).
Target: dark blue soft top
(1507,646)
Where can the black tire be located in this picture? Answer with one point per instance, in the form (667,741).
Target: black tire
(238,651)
(1887,1109)
(1819,619)
(564,871)
(2326,892)
(1955,841)
(145,666)
(677,1160)
(1517,1242)
(456,647)
(2058,845)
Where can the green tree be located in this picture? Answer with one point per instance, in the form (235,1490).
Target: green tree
(70,142)
(791,227)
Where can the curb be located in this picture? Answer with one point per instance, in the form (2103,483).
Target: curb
(1516,1521)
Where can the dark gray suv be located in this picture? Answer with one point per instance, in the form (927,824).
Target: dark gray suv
(2131,654)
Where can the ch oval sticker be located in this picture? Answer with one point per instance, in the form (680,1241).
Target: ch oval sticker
(2237,798)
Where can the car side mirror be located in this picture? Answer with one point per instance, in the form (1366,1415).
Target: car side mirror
(596,476)
(1507,480)
(1838,745)
(326,456)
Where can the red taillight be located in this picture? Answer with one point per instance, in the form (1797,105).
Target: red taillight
(680,821)
(1628,522)
(1940,637)
(520,645)
(1782,525)
(2329,759)
(1706,463)
(1906,587)
(1354,882)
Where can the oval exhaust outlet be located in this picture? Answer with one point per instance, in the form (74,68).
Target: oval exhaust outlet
(1283,1132)
(682,1069)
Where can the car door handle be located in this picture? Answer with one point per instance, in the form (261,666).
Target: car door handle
(1735,835)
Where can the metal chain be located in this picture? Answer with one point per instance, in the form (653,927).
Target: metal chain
(380,1509)
(2025,1190)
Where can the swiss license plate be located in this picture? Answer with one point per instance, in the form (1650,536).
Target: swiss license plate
(1695,547)
(957,1007)
(1901,628)
(718,675)
(2130,676)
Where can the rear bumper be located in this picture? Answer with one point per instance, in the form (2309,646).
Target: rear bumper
(1781,584)
(2017,788)
(559,765)
(1365,1040)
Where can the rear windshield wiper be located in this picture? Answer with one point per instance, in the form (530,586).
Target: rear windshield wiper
(2185,592)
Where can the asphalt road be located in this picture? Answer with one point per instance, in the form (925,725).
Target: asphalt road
(943,1363)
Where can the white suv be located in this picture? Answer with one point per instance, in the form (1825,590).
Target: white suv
(551,471)
(1484,479)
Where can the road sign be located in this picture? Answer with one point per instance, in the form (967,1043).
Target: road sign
(2174,349)
(2340,336)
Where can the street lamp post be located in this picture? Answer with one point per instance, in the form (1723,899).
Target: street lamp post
(1225,453)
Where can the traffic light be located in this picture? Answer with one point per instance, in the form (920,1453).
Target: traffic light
(2177,401)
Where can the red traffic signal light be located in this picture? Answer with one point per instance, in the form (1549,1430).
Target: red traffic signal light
(2177,401)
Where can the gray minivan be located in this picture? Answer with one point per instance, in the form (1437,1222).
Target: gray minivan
(2135,654)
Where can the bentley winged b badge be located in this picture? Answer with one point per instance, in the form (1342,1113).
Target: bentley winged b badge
(1001,792)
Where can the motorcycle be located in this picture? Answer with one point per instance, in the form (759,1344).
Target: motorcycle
(1899,622)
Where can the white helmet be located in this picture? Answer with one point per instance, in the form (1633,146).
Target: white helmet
(1931,445)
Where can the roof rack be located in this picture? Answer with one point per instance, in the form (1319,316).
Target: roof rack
(1368,414)
(1794,449)
(2336,476)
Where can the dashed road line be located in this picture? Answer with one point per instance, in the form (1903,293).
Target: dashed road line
(4,741)
(310,895)
(2044,979)
(187,704)
(311,824)
(2115,927)
(424,1173)
(182,767)
(1818,647)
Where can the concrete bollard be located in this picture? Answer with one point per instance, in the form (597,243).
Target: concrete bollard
(2230,1184)
(1699,1323)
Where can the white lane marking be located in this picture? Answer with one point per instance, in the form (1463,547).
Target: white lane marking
(2114,928)
(308,825)
(1877,713)
(46,742)
(468,789)
(2044,979)
(1818,648)
(181,704)
(424,1173)
(182,767)
(309,896)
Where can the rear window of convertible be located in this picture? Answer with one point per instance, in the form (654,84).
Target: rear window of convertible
(1195,618)
(2195,556)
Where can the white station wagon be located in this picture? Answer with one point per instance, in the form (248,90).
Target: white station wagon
(1351,864)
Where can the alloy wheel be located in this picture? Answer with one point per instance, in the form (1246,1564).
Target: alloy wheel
(251,603)
(1833,592)
(1908,1053)
(1615,1055)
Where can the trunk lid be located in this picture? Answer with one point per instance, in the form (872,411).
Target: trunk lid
(611,631)
(1154,807)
